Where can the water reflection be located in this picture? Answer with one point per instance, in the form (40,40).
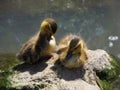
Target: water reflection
(113,38)
(98,22)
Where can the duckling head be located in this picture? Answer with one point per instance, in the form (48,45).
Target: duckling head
(75,47)
(48,26)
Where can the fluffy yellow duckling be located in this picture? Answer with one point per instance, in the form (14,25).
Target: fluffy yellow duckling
(40,45)
(72,51)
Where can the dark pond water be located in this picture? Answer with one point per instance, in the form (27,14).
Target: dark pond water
(97,21)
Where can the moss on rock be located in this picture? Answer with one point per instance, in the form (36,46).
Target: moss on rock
(108,77)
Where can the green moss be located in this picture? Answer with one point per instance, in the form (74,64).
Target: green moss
(7,61)
(4,82)
(108,76)
(105,84)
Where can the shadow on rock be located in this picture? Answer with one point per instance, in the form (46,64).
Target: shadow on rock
(32,68)
(67,74)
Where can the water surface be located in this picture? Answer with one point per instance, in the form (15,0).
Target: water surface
(97,21)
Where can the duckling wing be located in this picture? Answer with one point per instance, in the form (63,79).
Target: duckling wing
(26,50)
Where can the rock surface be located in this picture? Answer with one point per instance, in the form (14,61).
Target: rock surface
(51,75)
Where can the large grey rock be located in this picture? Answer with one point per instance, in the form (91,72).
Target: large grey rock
(51,75)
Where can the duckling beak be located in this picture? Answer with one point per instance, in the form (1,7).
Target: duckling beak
(68,56)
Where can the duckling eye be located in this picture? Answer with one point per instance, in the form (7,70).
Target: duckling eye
(79,46)
(75,48)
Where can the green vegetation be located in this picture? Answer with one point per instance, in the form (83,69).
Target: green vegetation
(109,78)
(7,61)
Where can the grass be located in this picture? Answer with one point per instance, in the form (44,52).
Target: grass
(109,78)
(7,61)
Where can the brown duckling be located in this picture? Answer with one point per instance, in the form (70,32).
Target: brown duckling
(72,51)
(40,45)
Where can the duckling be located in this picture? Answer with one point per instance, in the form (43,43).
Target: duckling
(40,45)
(72,51)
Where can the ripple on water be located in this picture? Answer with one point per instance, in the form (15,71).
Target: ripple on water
(113,38)
(111,44)
(118,55)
